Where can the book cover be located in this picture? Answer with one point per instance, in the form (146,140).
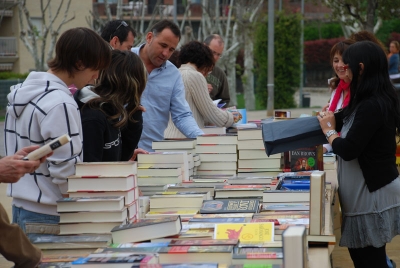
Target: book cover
(219,220)
(257,253)
(225,215)
(204,242)
(230,206)
(124,168)
(196,249)
(245,231)
(308,158)
(145,222)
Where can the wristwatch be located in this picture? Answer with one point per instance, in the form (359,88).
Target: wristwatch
(330,133)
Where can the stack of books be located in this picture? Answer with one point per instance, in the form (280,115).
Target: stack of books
(102,195)
(185,204)
(158,169)
(179,145)
(330,161)
(253,160)
(174,145)
(218,154)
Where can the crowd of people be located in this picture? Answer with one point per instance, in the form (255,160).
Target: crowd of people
(131,96)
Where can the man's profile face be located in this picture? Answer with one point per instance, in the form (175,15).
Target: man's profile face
(161,46)
(217,48)
(125,45)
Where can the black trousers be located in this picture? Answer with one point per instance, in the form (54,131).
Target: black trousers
(369,257)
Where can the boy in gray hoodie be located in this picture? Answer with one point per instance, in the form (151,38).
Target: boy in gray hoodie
(41,109)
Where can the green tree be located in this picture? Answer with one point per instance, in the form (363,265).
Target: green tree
(357,15)
(287,60)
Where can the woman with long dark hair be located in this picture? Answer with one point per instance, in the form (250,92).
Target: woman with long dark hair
(111,107)
(369,187)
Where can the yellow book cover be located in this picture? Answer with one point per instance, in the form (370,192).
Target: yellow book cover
(245,232)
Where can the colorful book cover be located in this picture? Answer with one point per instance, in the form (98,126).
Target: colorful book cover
(219,220)
(196,249)
(226,215)
(230,206)
(308,158)
(204,242)
(257,253)
(245,231)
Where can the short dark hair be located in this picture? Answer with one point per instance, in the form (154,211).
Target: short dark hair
(117,28)
(198,54)
(79,48)
(166,24)
(211,37)
(121,85)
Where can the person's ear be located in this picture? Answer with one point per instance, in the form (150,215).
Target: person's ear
(113,41)
(361,67)
(149,37)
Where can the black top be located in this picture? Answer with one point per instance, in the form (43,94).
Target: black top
(130,135)
(371,139)
(101,140)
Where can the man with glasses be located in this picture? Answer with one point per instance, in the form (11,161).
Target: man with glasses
(119,35)
(217,82)
(164,95)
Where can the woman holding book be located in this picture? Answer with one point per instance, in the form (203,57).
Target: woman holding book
(197,61)
(369,196)
(111,107)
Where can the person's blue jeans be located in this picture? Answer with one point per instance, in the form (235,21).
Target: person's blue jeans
(35,224)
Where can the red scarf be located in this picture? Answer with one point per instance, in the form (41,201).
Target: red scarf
(342,86)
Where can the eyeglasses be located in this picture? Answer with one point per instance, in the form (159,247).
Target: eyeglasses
(219,55)
(123,23)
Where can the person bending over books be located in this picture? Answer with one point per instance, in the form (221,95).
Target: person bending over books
(110,106)
(14,244)
(196,62)
(42,109)
(369,196)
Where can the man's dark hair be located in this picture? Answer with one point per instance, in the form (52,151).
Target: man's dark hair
(211,37)
(80,48)
(166,24)
(118,28)
(198,54)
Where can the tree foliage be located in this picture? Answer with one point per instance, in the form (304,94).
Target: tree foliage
(287,60)
(358,15)
(317,30)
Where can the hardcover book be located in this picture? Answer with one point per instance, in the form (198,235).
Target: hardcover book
(230,206)
(217,139)
(146,229)
(295,247)
(74,204)
(101,183)
(199,254)
(309,158)
(240,191)
(106,168)
(174,144)
(129,195)
(204,242)
(71,241)
(266,256)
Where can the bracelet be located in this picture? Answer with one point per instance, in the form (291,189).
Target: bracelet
(330,133)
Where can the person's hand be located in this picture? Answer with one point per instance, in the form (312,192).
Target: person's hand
(12,168)
(142,108)
(209,87)
(136,152)
(324,150)
(325,108)
(326,121)
(236,116)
